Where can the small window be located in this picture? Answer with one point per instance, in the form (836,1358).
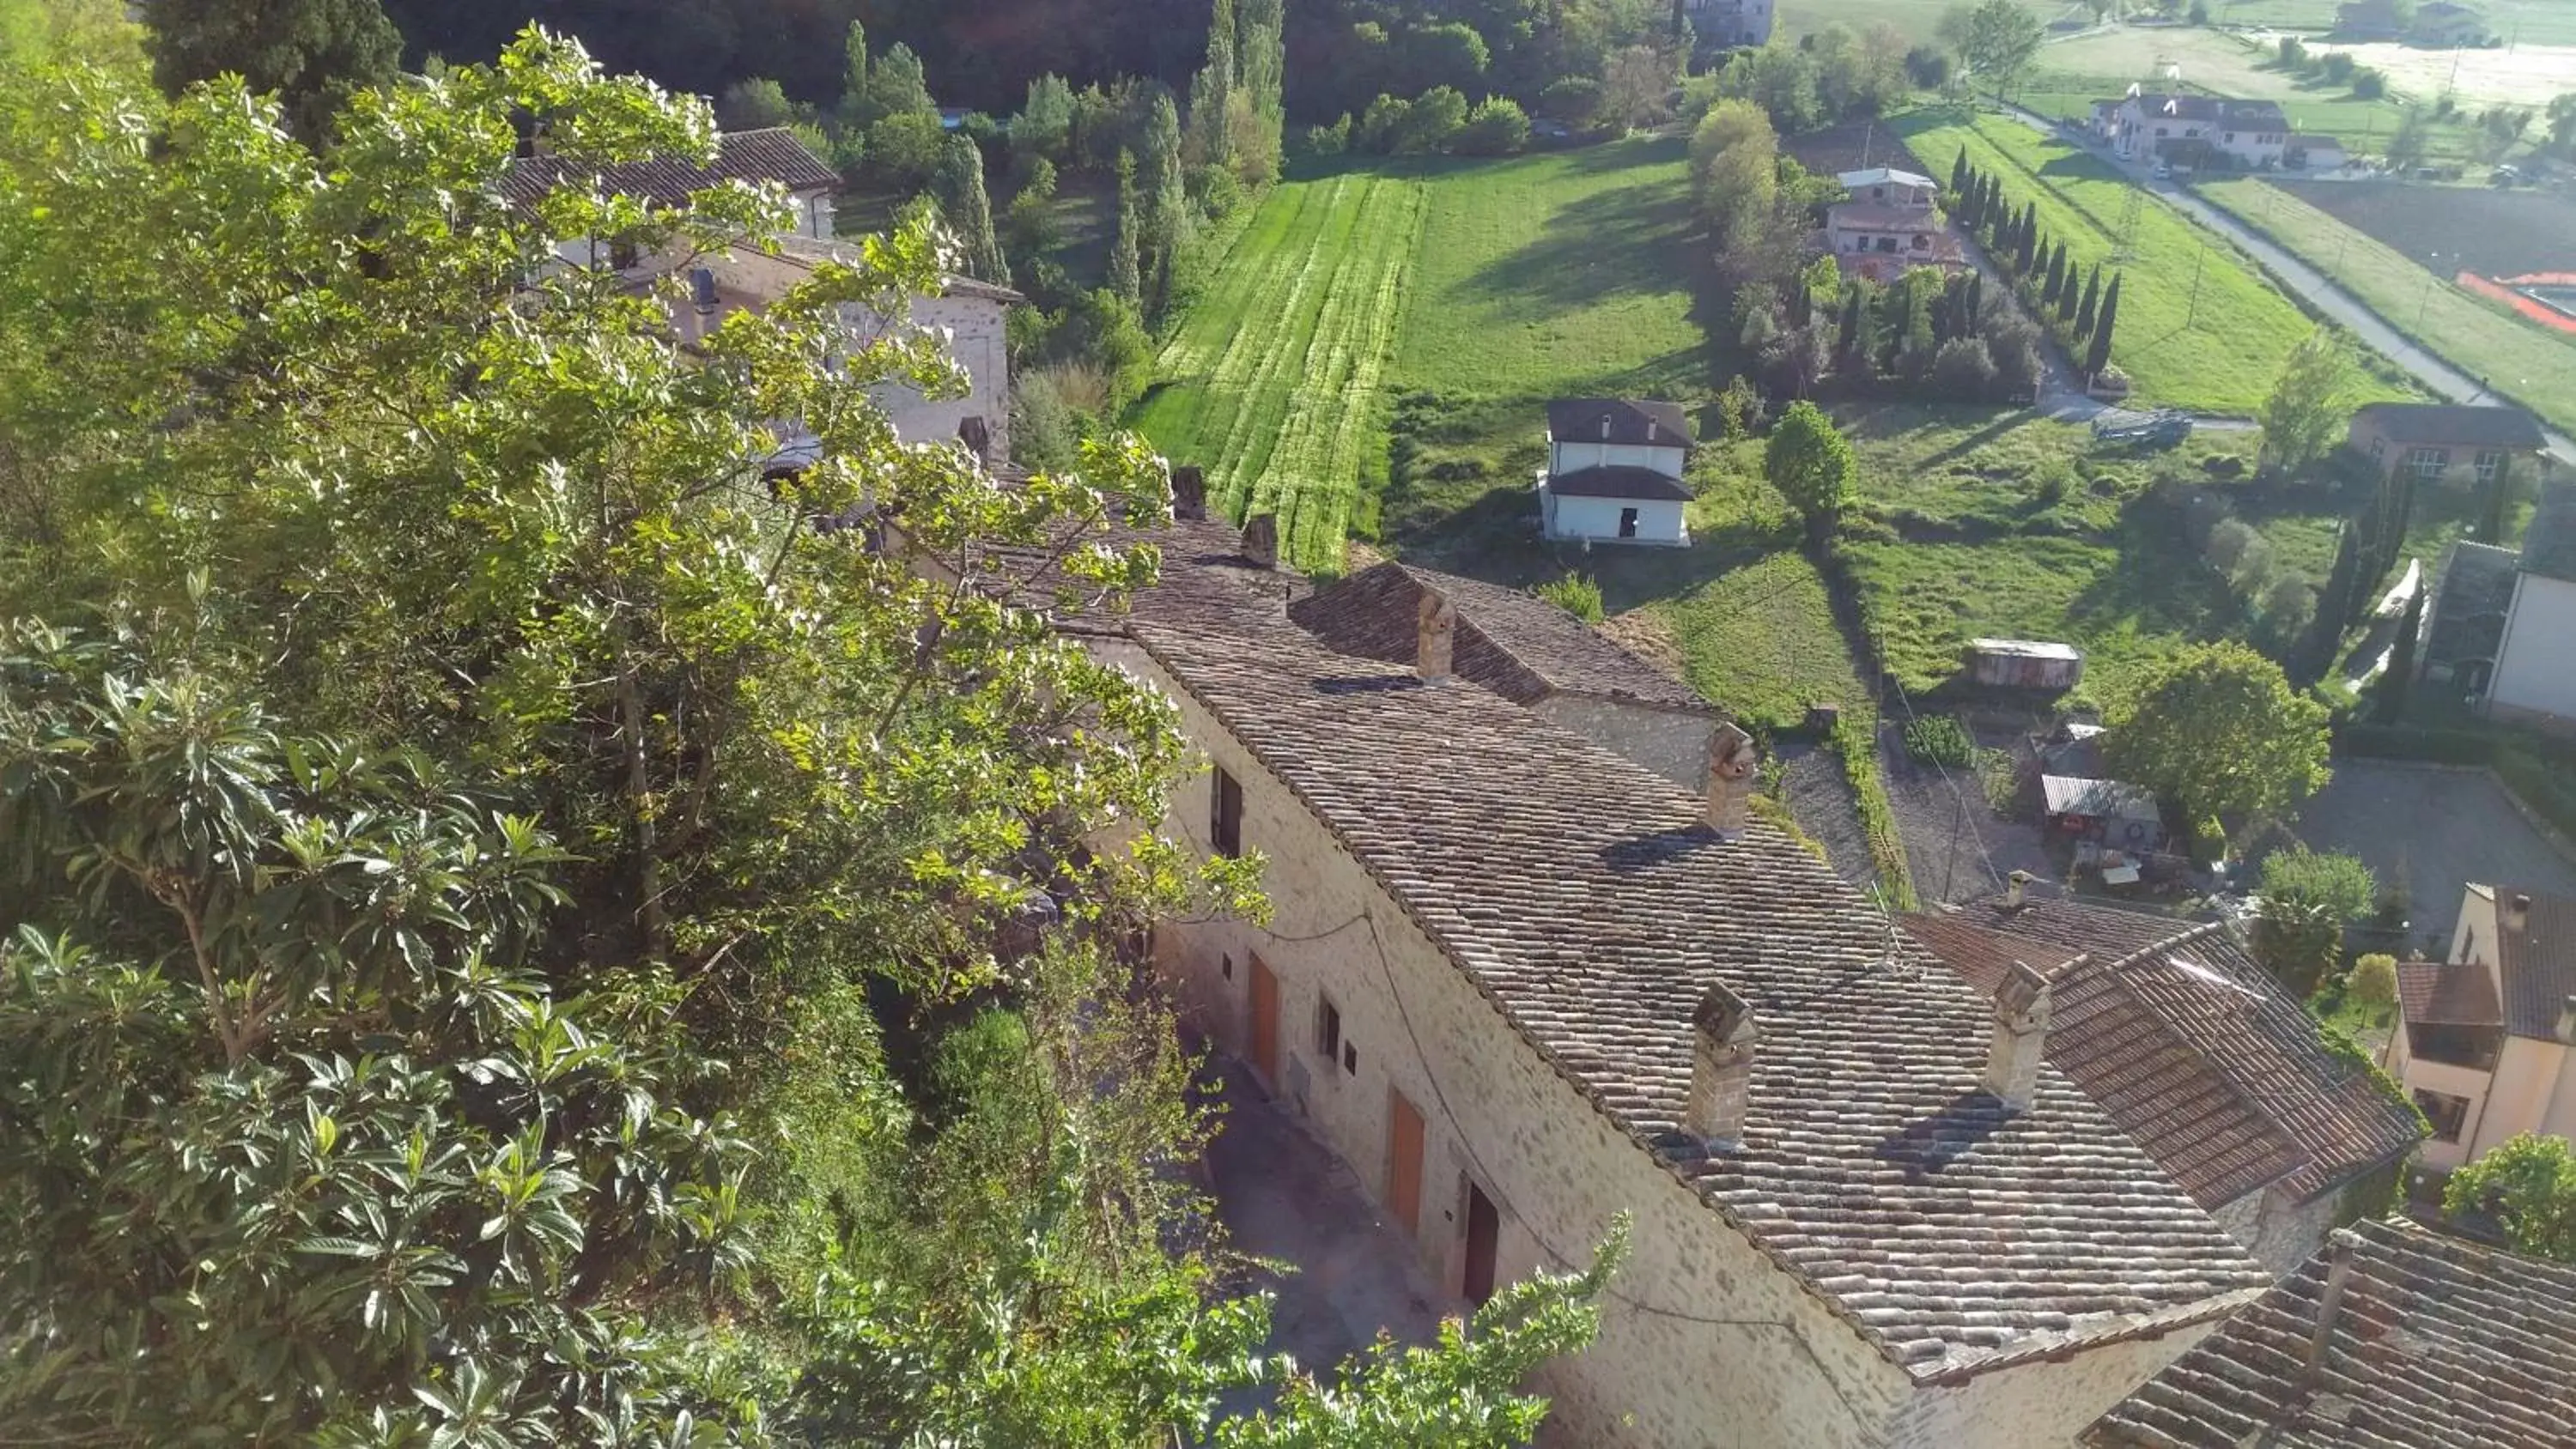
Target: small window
(1350,1060)
(2428,463)
(1225,967)
(1328,1029)
(2447,1113)
(1627,523)
(1225,817)
(2488,461)
(622,256)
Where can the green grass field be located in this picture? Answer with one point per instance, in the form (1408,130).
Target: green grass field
(2198,328)
(2524,362)
(1271,382)
(1915,19)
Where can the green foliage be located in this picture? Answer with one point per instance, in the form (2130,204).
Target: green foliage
(2528,1184)
(1939,740)
(2304,416)
(958,189)
(1496,127)
(752,104)
(1576,594)
(896,86)
(2000,40)
(1812,465)
(2339,887)
(2373,984)
(1855,741)
(2217,728)
(310,54)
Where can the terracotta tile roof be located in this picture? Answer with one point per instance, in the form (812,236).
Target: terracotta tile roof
(1618,420)
(2437,993)
(771,154)
(1593,909)
(2538,963)
(1205,583)
(2436,1344)
(2189,1044)
(1513,642)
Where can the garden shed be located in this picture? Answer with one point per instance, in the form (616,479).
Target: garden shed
(2121,816)
(2025,664)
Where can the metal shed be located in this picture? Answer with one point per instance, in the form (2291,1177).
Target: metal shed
(2025,663)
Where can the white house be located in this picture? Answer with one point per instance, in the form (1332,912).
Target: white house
(2486,1041)
(2188,129)
(969,316)
(2304,152)
(1891,224)
(1614,472)
(1723,24)
(1887,186)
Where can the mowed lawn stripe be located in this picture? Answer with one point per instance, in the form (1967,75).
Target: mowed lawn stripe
(2219,355)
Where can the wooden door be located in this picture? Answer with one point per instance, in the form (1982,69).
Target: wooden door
(1484,1235)
(1404,1161)
(1265,1024)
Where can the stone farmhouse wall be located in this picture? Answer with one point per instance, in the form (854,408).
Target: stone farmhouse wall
(1671,742)
(1704,1340)
(2280,1233)
(976,342)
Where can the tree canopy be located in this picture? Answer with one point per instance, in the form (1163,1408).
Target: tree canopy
(2528,1184)
(311,54)
(2217,728)
(2310,401)
(523,928)
(1812,465)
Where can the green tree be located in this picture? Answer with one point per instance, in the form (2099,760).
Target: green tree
(2001,37)
(2373,984)
(1735,173)
(1125,272)
(2527,1183)
(1166,202)
(1431,122)
(958,188)
(2406,144)
(1811,463)
(1210,89)
(1496,127)
(1029,221)
(1044,126)
(2310,401)
(2306,901)
(2217,728)
(310,54)
(2086,310)
(854,72)
(896,86)
(2097,355)
(751,105)
(2495,506)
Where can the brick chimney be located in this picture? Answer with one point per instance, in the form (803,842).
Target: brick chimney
(1721,1080)
(1435,636)
(2517,914)
(1189,492)
(1731,763)
(1261,540)
(2021,1037)
(2017,890)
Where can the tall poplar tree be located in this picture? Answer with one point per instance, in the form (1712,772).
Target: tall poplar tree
(2085,310)
(958,188)
(310,54)
(1166,201)
(2098,355)
(1212,90)
(1126,278)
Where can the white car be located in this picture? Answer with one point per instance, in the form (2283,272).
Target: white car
(2164,171)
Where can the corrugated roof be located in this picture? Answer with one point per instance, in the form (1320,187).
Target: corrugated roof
(1585,898)
(2434,1344)
(2077,795)
(1509,640)
(1628,420)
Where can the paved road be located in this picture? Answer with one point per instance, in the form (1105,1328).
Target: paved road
(2432,829)
(2437,376)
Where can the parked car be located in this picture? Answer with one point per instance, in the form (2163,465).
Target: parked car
(2164,171)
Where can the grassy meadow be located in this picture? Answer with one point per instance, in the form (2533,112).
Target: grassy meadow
(2527,363)
(2198,327)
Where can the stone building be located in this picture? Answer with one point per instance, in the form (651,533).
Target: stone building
(1530,652)
(1522,985)
(2198,1054)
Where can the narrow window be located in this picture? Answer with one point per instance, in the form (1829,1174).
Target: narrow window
(2446,1112)
(622,256)
(1225,821)
(1328,1029)
(1350,1060)
(1225,966)
(1627,523)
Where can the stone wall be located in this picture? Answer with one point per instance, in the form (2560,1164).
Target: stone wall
(1704,1340)
(2278,1230)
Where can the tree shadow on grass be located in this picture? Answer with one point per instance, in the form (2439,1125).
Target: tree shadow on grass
(1626,240)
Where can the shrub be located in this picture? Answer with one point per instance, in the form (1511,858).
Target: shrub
(1576,594)
(2294,55)
(2373,985)
(2368,84)
(1330,140)
(2336,66)
(1430,123)
(1856,740)
(1573,99)
(1496,127)
(1963,370)
(2050,481)
(1939,740)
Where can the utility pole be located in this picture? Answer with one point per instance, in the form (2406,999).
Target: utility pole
(2197,258)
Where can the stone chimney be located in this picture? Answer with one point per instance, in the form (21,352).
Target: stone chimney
(1721,1080)
(2021,1037)
(1435,636)
(1731,762)
(1189,492)
(2517,914)
(1261,540)
(2017,890)
(2567,1021)
(2312,1366)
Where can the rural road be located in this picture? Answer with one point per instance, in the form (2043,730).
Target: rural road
(2437,376)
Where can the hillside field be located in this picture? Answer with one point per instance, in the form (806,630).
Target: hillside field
(2198,328)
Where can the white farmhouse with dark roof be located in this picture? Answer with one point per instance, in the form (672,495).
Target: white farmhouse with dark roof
(1521,985)
(1614,472)
(2188,129)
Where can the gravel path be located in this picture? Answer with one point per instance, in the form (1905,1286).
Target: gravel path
(1957,846)
(1820,799)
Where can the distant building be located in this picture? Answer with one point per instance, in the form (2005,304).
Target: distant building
(2486,1041)
(2025,664)
(2534,681)
(2444,25)
(1614,472)
(2316,154)
(2443,442)
(2393,1337)
(2190,130)
(1726,24)
(1891,225)
(2366,20)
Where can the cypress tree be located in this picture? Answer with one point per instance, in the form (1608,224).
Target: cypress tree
(2098,356)
(2092,299)
(2389,704)
(2052,274)
(2334,602)
(1850,328)
(2027,241)
(1211,88)
(1165,201)
(958,187)
(1959,174)
(2066,288)
(1976,302)
(1125,277)
(2498,503)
